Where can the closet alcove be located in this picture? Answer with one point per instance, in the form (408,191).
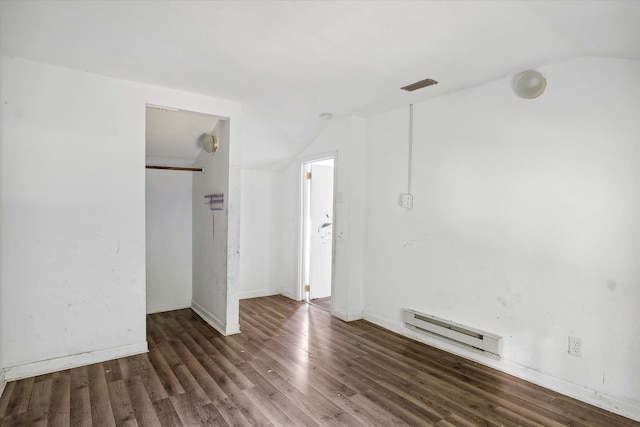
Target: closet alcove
(186,239)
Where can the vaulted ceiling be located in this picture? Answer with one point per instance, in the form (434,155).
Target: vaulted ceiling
(289,61)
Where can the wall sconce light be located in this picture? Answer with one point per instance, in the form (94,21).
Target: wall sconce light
(210,143)
(529,84)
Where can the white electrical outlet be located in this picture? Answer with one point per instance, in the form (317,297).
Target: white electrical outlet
(406,201)
(575,346)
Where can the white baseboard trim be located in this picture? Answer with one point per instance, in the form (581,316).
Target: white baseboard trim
(233,329)
(347,317)
(287,293)
(72,361)
(259,294)
(212,320)
(621,407)
(160,308)
(3,381)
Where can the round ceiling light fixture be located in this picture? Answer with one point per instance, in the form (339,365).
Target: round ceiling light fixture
(529,84)
(326,116)
(210,143)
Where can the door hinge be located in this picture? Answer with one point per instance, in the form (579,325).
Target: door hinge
(308,175)
(307,288)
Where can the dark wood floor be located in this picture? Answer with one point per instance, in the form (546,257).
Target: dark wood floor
(293,364)
(323,303)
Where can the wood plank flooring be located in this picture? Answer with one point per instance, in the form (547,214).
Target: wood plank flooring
(323,303)
(293,365)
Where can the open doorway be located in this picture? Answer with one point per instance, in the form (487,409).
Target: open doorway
(317,231)
(193,215)
(173,142)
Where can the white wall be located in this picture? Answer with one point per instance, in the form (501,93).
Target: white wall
(261,237)
(73,215)
(346,138)
(72,181)
(525,224)
(168,239)
(3,382)
(215,241)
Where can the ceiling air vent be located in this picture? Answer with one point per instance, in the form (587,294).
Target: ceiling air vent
(419,85)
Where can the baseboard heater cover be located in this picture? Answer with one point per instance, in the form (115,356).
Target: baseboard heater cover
(487,343)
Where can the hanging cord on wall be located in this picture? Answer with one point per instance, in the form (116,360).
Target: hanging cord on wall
(406,200)
(410,149)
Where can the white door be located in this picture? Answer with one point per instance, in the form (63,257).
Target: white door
(319,228)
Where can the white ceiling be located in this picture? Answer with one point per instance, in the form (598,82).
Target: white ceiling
(175,137)
(289,61)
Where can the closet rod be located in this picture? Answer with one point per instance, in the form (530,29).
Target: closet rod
(174,168)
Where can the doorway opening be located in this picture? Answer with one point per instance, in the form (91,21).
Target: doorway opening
(317,231)
(174,150)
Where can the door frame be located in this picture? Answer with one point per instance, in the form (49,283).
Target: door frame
(300,294)
(227,322)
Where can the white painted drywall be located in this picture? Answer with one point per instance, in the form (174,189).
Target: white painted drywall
(3,381)
(345,137)
(525,224)
(215,239)
(168,239)
(260,237)
(72,181)
(72,214)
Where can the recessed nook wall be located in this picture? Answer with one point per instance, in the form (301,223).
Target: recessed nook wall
(344,138)
(261,237)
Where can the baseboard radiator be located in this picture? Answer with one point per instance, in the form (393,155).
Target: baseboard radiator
(487,343)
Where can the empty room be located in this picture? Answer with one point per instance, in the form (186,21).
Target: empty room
(320,213)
